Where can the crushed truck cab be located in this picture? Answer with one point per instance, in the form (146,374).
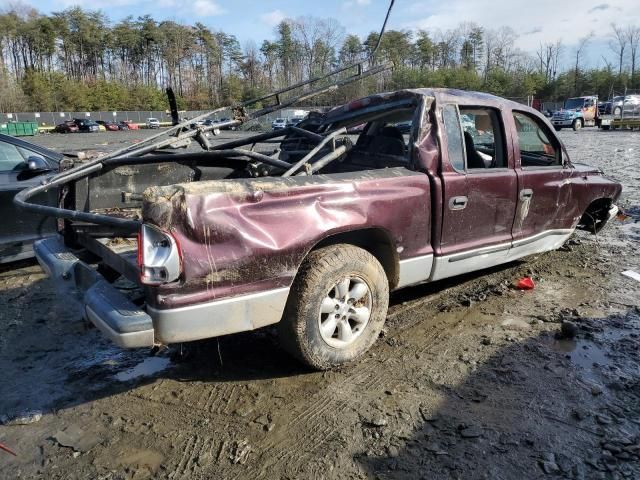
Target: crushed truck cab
(313,234)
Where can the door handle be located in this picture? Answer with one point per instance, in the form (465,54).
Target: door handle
(458,203)
(526,194)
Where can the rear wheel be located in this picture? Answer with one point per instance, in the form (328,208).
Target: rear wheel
(336,308)
(578,123)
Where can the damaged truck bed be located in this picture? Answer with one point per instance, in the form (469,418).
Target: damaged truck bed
(312,229)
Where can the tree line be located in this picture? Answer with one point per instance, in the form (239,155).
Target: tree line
(76,60)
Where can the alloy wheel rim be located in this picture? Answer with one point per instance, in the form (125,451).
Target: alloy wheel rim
(345,312)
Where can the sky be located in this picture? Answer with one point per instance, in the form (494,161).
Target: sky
(535,21)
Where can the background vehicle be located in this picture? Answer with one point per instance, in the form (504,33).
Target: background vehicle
(85,125)
(68,126)
(279,123)
(153,123)
(293,121)
(227,127)
(576,113)
(604,108)
(251,243)
(110,126)
(131,125)
(23,165)
(627,105)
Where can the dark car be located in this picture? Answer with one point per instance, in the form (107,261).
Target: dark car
(23,165)
(85,125)
(228,127)
(68,126)
(109,126)
(123,126)
(604,108)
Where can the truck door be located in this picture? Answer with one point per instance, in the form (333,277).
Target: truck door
(479,191)
(545,215)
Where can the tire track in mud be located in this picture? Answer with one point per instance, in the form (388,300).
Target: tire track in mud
(316,422)
(310,424)
(189,453)
(200,454)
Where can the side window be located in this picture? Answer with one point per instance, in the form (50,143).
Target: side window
(483,139)
(10,158)
(538,147)
(454,137)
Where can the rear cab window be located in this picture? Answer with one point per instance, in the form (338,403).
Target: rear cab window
(483,138)
(538,146)
(475,138)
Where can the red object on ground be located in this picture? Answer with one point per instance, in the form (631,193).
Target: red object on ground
(7,449)
(525,284)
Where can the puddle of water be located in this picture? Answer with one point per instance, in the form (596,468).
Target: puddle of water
(583,354)
(149,366)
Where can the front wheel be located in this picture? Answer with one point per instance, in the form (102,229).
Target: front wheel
(336,307)
(557,129)
(577,124)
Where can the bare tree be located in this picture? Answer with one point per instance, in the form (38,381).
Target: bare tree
(633,37)
(618,44)
(319,38)
(580,49)
(548,57)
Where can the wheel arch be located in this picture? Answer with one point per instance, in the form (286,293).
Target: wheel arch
(596,215)
(377,241)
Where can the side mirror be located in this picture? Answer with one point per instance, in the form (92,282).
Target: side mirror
(37,164)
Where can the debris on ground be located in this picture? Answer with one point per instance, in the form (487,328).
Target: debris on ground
(25,418)
(240,452)
(525,283)
(632,274)
(76,438)
(568,330)
(7,449)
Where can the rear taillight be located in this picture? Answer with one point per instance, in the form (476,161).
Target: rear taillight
(158,256)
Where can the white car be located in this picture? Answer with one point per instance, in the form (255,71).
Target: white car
(279,123)
(153,123)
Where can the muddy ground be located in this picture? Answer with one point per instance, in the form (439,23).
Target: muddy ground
(468,381)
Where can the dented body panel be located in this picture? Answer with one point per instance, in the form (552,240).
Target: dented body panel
(245,236)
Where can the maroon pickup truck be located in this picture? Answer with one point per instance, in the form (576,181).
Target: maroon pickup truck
(313,231)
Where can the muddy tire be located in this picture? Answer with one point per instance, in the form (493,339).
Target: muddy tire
(336,307)
(577,124)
